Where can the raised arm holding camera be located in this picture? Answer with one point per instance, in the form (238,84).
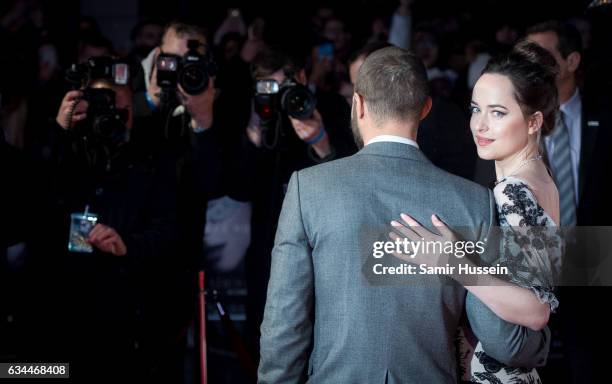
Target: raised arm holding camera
(319,120)
(178,73)
(174,104)
(111,235)
(291,128)
(92,138)
(284,92)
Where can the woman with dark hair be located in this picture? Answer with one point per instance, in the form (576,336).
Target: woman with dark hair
(514,103)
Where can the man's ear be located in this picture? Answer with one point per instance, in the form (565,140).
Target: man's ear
(359,105)
(573,61)
(426,108)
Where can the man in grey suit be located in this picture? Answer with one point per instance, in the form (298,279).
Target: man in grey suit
(326,320)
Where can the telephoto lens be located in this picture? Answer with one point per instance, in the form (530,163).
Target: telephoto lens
(297,100)
(290,97)
(191,71)
(194,78)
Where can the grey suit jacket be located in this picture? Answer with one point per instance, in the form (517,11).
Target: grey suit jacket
(327,321)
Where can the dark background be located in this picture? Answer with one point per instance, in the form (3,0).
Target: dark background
(288,20)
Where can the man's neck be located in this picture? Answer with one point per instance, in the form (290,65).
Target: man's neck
(398,130)
(567,90)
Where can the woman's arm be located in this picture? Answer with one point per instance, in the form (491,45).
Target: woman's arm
(508,301)
(513,304)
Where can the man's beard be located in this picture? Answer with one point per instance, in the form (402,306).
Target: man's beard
(355,128)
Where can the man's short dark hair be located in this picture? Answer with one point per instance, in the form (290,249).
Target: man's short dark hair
(393,83)
(144,23)
(270,61)
(568,36)
(366,50)
(183,29)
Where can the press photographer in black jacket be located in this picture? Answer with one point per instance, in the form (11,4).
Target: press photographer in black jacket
(121,304)
(173,117)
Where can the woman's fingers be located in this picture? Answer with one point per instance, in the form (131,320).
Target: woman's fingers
(408,219)
(410,256)
(405,231)
(441,227)
(421,231)
(406,257)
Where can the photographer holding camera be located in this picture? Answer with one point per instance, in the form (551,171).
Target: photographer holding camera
(291,128)
(282,93)
(192,90)
(174,102)
(113,290)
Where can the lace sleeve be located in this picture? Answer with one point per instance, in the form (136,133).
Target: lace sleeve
(531,244)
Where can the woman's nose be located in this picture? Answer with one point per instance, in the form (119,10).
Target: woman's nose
(479,124)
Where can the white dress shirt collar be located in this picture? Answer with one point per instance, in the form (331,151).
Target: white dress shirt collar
(393,139)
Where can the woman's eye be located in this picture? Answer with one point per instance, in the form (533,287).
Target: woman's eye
(474,109)
(498,114)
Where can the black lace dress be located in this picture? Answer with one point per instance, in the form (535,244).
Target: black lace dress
(531,249)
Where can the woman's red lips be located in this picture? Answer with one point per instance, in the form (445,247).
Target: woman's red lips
(483,142)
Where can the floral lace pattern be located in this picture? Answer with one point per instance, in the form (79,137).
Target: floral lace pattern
(531,248)
(494,372)
(531,244)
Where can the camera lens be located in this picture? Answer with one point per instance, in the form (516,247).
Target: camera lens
(194,79)
(104,126)
(299,102)
(109,127)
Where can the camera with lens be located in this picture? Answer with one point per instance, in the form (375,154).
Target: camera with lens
(290,97)
(192,71)
(115,71)
(105,122)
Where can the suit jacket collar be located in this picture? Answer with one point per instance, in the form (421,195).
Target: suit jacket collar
(590,128)
(392,149)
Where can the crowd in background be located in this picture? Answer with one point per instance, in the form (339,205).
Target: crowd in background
(153,196)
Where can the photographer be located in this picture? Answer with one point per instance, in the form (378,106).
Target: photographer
(172,105)
(278,145)
(169,117)
(114,297)
(325,133)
